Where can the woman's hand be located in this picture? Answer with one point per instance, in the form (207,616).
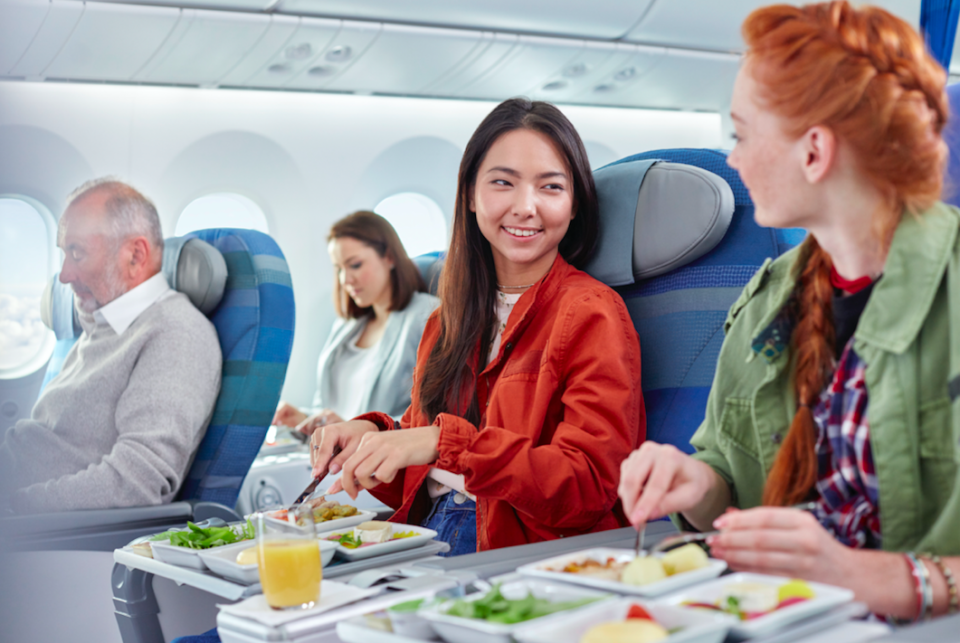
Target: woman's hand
(659,479)
(344,435)
(288,415)
(381,455)
(782,541)
(310,424)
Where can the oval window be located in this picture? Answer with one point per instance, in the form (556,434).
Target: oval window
(223,210)
(418,220)
(27,261)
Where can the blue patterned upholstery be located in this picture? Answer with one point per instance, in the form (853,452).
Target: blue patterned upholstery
(951,134)
(254,321)
(679,315)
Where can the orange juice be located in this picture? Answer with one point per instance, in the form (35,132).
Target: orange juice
(290,572)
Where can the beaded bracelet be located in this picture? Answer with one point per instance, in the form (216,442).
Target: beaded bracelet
(918,584)
(954,595)
(924,587)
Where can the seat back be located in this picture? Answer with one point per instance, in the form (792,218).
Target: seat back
(255,323)
(679,314)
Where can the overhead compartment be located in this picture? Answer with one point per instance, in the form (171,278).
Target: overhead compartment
(492,49)
(597,69)
(596,19)
(404,60)
(20,20)
(526,65)
(349,45)
(715,26)
(57,26)
(219,5)
(310,38)
(278,34)
(203,47)
(113,41)
(686,80)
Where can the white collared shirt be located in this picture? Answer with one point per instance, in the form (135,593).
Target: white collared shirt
(124,310)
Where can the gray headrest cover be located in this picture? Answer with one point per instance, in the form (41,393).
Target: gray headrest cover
(201,272)
(683,212)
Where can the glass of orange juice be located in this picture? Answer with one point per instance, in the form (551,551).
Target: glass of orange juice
(289,560)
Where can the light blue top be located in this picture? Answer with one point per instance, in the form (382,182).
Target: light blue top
(388,389)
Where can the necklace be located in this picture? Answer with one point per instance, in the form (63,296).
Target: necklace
(516,287)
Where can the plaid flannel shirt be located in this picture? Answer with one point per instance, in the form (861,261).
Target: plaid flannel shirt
(848,505)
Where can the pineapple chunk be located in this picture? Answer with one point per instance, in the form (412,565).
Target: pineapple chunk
(684,559)
(643,571)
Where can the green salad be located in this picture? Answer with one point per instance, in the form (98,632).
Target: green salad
(204,538)
(496,608)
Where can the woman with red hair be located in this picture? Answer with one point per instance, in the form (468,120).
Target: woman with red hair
(838,380)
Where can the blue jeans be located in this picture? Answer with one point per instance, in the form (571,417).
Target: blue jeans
(455,523)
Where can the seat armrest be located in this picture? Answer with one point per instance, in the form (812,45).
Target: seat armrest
(203,510)
(90,530)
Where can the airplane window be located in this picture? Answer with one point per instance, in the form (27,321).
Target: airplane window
(223,210)
(418,220)
(26,264)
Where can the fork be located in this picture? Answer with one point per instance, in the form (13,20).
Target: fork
(641,533)
(682,539)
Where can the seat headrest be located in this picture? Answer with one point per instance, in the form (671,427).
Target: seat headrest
(656,217)
(191,266)
(197,269)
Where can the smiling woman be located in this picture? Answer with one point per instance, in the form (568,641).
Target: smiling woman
(527,384)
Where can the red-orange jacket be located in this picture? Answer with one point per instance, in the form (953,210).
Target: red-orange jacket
(562,407)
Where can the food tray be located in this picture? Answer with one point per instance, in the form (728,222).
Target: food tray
(339,523)
(697,626)
(826,597)
(423,536)
(549,569)
(223,561)
(455,629)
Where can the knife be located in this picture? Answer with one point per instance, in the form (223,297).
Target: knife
(313,483)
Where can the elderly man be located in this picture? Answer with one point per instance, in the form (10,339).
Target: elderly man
(118,426)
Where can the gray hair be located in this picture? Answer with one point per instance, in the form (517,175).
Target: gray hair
(130,213)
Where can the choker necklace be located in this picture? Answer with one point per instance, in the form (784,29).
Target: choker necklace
(516,287)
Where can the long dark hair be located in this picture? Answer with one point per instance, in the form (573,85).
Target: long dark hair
(375,231)
(468,283)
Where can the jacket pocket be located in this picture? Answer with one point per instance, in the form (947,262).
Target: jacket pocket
(938,457)
(738,443)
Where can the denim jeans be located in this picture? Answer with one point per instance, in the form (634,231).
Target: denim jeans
(455,522)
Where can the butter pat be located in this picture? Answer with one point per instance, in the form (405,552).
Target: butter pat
(373,531)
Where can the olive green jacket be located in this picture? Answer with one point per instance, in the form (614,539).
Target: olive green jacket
(909,338)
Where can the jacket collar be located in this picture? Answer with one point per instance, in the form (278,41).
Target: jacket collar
(901,300)
(915,266)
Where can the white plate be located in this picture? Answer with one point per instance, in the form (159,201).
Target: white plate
(551,569)
(223,561)
(697,626)
(826,597)
(378,549)
(184,556)
(339,523)
(456,629)
(332,596)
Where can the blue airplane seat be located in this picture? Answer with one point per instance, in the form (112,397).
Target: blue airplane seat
(430,265)
(239,278)
(951,134)
(679,305)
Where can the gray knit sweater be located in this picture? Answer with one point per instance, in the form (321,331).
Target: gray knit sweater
(118,426)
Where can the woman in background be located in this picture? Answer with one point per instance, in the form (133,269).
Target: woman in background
(836,382)
(526,394)
(382,306)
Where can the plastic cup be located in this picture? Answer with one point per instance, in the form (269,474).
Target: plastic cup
(289,561)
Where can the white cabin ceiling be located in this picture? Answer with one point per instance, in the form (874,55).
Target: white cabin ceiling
(673,54)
